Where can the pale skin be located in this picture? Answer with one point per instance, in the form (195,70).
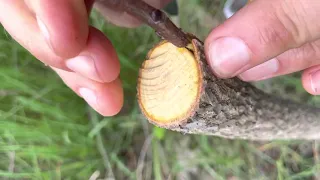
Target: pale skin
(263,40)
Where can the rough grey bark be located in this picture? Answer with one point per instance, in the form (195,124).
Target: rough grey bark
(232,108)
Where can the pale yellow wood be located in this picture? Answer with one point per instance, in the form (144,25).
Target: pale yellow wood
(169,84)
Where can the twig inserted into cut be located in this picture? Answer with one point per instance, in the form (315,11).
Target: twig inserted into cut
(155,18)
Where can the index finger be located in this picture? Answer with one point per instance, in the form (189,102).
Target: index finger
(64,23)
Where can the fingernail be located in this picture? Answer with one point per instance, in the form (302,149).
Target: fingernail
(44,30)
(315,81)
(228,55)
(89,96)
(262,71)
(85,66)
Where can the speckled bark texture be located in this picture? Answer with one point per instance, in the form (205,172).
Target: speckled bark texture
(232,108)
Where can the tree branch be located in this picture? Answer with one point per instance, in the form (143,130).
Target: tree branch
(228,108)
(155,18)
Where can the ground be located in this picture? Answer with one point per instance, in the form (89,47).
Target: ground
(47,132)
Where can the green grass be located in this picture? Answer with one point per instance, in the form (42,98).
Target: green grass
(47,132)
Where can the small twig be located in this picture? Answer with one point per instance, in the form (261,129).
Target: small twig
(315,152)
(12,156)
(101,147)
(142,156)
(316,158)
(95,175)
(155,18)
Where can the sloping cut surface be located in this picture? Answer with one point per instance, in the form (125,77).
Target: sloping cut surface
(169,84)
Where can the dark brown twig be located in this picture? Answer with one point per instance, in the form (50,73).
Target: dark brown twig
(155,18)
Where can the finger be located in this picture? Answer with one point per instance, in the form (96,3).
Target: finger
(20,23)
(293,60)
(259,32)
(105,98)
(124,19)
(89,5)
(98,60)
(63,23)
(311,80)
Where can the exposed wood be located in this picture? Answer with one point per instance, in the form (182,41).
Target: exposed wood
(169,84)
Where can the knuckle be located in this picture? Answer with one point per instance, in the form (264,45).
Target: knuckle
(308,54)
(275,33)
(303,57)
(309,51)
(293,16)
(314,56)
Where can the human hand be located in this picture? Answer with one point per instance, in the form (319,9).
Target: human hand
(57,33)
(267,39)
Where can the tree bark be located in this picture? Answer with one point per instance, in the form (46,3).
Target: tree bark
(232,108)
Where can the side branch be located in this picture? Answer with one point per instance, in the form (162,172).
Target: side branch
(155,18)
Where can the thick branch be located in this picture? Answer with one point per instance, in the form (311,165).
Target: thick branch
(180,93)
(155,18)
(229,107)
(232,108)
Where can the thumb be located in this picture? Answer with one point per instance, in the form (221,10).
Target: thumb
(259,32)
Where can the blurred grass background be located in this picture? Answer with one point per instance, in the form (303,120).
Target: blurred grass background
(47,132)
